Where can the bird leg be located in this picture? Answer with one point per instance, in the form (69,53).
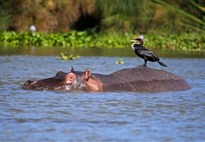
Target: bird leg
(145,63)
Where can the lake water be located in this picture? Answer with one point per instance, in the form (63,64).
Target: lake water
(108,116)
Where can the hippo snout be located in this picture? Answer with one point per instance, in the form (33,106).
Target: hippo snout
(28,84)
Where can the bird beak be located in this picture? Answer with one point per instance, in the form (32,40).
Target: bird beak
(132,40)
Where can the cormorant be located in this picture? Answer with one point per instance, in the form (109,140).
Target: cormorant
(145,53)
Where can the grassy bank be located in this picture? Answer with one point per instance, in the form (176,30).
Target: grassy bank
(183,41)
(143,16)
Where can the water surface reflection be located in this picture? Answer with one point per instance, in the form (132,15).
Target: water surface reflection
(108,116)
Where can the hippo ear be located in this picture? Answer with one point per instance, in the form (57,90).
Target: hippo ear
(87,74)
(72,69)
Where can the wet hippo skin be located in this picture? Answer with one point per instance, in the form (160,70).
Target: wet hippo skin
(138,79)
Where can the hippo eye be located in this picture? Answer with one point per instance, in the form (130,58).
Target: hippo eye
(59,73)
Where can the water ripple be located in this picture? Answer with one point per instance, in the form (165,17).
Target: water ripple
(108,116)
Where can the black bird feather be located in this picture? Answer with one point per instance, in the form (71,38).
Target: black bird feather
(145,53)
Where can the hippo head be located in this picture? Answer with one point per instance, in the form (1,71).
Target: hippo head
(71,81)
(88,82)
(61,82)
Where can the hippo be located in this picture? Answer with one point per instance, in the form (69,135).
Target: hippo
(137,79)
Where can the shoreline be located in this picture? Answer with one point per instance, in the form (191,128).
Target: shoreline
(74,39)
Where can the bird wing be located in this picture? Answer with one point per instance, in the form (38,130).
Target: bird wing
(149,53)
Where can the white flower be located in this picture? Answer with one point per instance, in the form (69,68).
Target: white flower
(32,28)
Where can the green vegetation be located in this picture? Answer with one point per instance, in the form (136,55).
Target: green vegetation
(142,16)
(120,61)
(65,56)
(175,24)
(71,39)
(183,41)
(146,16)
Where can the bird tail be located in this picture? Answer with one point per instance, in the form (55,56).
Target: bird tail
(162,64)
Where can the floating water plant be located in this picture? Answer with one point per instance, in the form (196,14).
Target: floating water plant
(66,56)
(120,61)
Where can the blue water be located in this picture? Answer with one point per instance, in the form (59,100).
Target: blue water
(107,116)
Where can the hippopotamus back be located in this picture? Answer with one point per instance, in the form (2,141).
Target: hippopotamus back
(143,78)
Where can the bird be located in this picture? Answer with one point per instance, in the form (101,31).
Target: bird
(145,53)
